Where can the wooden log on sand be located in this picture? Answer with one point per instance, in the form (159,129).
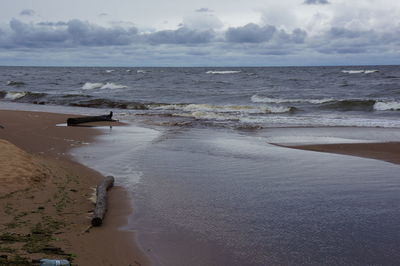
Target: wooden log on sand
(101,201)
(78,120)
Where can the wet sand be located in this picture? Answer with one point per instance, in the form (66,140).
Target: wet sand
(388,151)
(47,200)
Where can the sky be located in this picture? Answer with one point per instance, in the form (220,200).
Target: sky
(199,33)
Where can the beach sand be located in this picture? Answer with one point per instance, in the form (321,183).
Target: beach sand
(45,196)
(387,151)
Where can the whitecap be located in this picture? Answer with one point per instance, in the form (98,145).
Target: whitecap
(110,70)
(359,71)
(221,72)
(387,106)
(91,86)
(140,71)
(15,83)
(14,95)
(244,109)
(102,86)
(208,115)
(112,86)
(260,99)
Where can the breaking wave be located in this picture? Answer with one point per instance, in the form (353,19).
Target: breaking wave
(102,86)
(359,71)
(260,99)
(110,70)
(21,95)
(387,106)
(15,83)
(14,95)
(221,72)
(245,109)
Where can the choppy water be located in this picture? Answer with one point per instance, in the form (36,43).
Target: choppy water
(228,97)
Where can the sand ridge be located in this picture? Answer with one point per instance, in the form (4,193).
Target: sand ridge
(19,170)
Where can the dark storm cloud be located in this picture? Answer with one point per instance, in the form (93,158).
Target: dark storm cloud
(180,36)
(27,12)
(316,2)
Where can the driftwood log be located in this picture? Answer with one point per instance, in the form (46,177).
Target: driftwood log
(101,200)
(79,120)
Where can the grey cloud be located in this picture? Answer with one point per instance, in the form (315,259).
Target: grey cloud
(181,36)
(251,33)
(250,39)
(27,12)
(203,9)
(336,32)
(26,35)
(316,2)
(64,34)
(84,33)
(297,36)
(52,24)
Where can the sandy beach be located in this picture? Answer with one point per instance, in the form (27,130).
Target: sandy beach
(46,198)
(388,151)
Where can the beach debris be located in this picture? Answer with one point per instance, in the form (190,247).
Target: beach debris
(86,119)
(51,262)
(87,229)
(1,126)
(101,201)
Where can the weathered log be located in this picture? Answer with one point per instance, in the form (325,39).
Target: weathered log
(101,200)
(78,120)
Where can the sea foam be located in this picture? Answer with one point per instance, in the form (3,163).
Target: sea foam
(102,86)
(14,95)
(387,106)
(221,72)
(209,108)
(359,71)
(260,99)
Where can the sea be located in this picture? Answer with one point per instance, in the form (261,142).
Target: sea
(204,157)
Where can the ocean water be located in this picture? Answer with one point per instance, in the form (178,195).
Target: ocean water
(207,183)
(366,96)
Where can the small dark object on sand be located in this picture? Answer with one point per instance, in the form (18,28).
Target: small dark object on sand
(87,119)
(1,126)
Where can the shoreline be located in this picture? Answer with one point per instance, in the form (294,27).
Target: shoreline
(48,146)
(384,151)
(41,137)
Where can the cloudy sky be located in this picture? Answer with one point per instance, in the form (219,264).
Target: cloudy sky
(199,33)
